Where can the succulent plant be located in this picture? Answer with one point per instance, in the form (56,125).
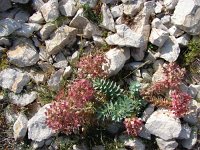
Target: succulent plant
(133,125)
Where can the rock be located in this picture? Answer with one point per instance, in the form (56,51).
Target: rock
(146,75)
(137,54)
(133,65)
(189,143)
(69,8)
(36,144)
(158,8)
(183,40)
(20,127)
(170,4)
(50,10)
(91,30)
(131,8)
(5,5)
(125,37)
(36,18)
(67,72)
(8,26)
(156,23)
(54,81)
(189,20)
(185,132)
(191,116)
(170,50)
(166,145)
(158,37)
(158,64)
(99,147)
(166,19)
(108,21)
(80,147)
(62,37)
(147,112)
(13,79)
(98,41)
(117,11)
(20,1)
(5,41)
(163,124)
(89,2)
(117,59)
(38,77)
(27,29)
(37,128)
(144,133)
(10,115)
(22,99)
(193,90)
(158,75)
(174,31)
(47,30)
(37,4)
(23,53)
(22,16)
(135,144)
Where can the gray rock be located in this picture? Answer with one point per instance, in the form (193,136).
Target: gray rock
(67,72)
(68,8)
(193,90)
(13,79)
(37,4)
(108,21)
(158,64)
(144,133)
(158,37)
(133,65)
(176,32)
(189,20)
(131,8)
(158,8)
(166,19)
(91,3)
(27,29)
(37,128)
(189,143)
(21,16)
(62,37)
(170,50)
(22,99)
(146,75)
(192,116)
(8,26)
(47,30)
(50,10)
(4,41)
(55,79)
(20,1)
(166,145)
(125,37)
(117,11)
(158,75)
(170,4)
(5,5)
(183,40)
(20,127)
(91,30)
(117,59)
(147,112)
(36,144)
(135,144)
(23,53)
(185,132)
(36,18)
(163,124)
(98,41)
(156,23)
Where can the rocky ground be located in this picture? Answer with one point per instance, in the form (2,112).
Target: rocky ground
(42,40)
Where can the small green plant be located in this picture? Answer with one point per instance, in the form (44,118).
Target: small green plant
(192,52)
(92,14)
(4,63)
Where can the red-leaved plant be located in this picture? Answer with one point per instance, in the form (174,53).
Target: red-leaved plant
(133,126)
(91,66)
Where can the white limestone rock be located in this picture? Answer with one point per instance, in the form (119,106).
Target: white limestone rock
(158,37)
(50,10)
(131,8)
(189,19)
(147,112)
(36,18)
(156,23)
(47,30)
(37,128)
(68,8)
(164,124)
(108,21)
(62,37)
(174,31)
(23,53)
(55,79)
(117,11)
(20,127)
(125,37)
(183,40)
(170,4)
(13,79)
(166,145)
(170,50)
(158,8)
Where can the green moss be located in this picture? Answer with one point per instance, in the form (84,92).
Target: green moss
(192,52)
(4,62)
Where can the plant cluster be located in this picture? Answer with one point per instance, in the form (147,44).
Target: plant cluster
(177,101)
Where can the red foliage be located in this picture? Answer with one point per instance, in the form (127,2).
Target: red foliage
(80,92)
(133,126)
(61,117)
(180,102)
(91,66)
